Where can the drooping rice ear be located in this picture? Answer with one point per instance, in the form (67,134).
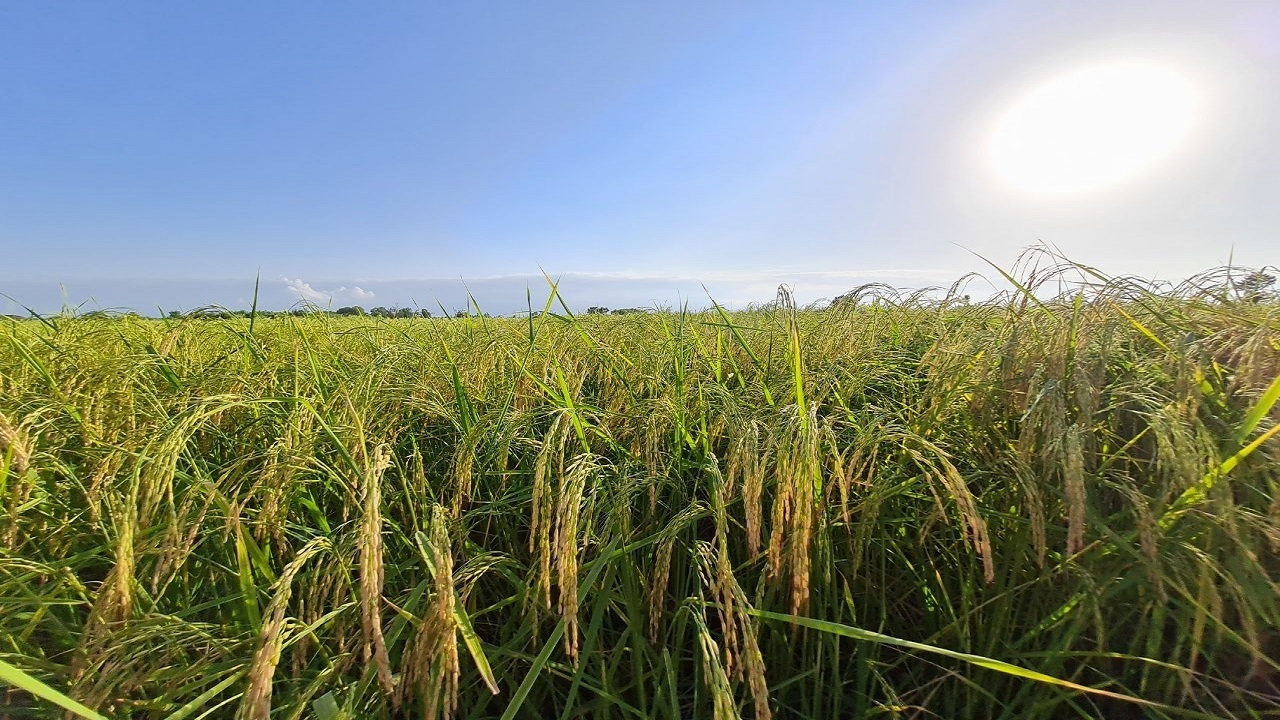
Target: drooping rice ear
(255,704)
(568,543)
(372,572)
(431,667)
(1073,480)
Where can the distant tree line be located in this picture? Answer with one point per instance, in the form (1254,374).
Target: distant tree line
(597,310)
(220,313)
(217,313)
(384,312)
(351,311)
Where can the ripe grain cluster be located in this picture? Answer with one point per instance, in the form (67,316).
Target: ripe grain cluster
(894,507)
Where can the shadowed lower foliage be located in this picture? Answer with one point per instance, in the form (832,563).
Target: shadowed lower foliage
(899,506)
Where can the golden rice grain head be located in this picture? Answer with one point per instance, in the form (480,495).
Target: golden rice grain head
(463,470)
(567,544)
(181,537)
(1073,479)
(100,482)
(374,649)
(722,703)
(718,579)
(542,507)
(15,443)
(658,581)
(430,663)
(1035,516)
(255,704)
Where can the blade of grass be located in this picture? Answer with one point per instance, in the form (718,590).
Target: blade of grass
(976,660)
(16,677)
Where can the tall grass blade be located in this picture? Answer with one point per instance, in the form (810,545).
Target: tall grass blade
(16,677)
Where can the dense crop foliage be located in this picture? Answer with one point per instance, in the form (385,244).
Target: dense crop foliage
(898,507)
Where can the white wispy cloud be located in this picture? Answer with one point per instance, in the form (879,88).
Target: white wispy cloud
(305,291)
(302,290)
(355,292)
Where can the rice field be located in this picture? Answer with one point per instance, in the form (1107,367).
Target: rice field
(1049,504)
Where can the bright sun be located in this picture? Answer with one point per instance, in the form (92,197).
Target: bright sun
(1093,128)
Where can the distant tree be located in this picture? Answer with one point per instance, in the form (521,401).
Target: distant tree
(175,314)
(1255,286)
(404,313)
(627,311)
(380,312)
(424,313)
(597,310)
(460,313)
(351,310)
(849,299)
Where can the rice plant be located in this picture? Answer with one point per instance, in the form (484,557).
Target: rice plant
(1060,502)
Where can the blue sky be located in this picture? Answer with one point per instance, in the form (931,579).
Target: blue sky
(162,154)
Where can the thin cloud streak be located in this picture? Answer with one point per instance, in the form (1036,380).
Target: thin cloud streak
(306,292)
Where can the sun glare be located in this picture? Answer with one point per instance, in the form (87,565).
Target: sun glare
(1093,128)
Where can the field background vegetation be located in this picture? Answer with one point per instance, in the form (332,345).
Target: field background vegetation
(1060,502)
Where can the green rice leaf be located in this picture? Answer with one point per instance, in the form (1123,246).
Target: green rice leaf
(16,677)
(977,660)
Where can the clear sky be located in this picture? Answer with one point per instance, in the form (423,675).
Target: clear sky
(161,154)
